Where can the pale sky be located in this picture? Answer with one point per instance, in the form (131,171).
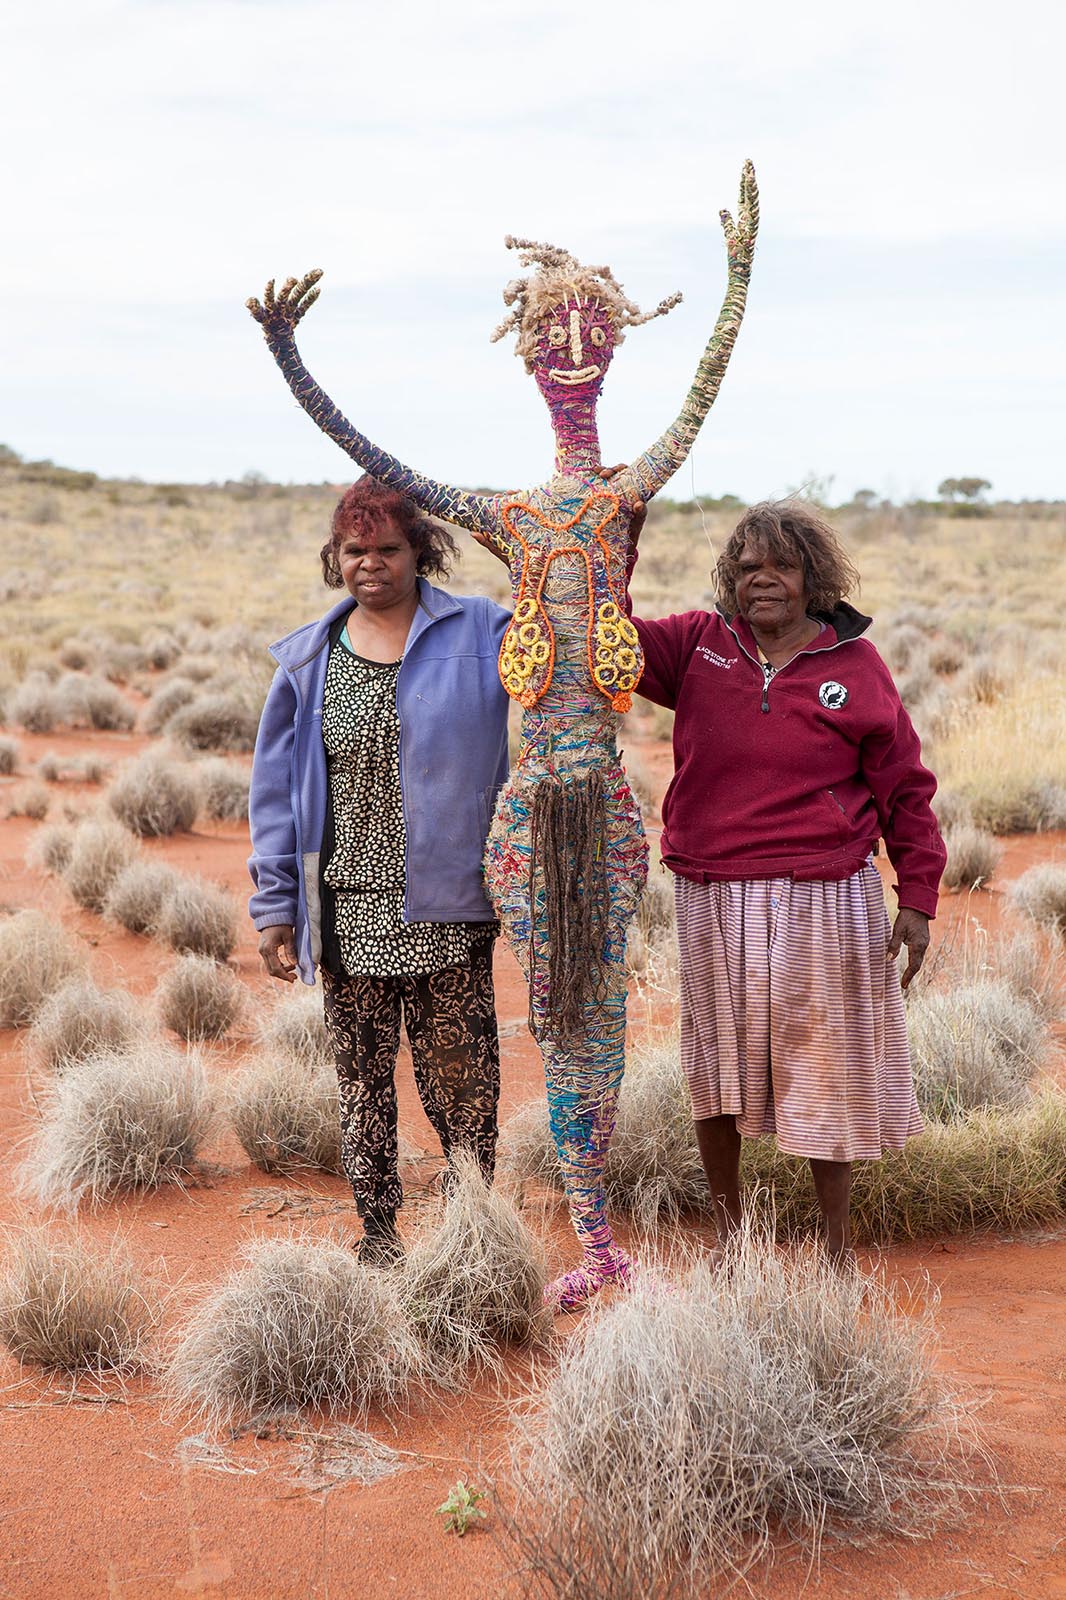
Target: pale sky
(905,321)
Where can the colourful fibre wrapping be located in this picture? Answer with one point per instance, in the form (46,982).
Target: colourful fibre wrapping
(569,658)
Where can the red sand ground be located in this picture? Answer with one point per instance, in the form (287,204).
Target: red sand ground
(100,1500)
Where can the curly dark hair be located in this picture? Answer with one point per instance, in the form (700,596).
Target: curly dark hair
(365,507)
(794,532)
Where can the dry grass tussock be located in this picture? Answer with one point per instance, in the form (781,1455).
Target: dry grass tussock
(1041,894)
(53,768)
(299,1323)
(474,1278)
(91,702)
(285,1111)
(36,956)
(689,1427)
(167,699)
(973,856)
(198,919)
(10,756)
(120,1121)
(1007,757)
(137,895)
(49,849)
(72,1304)
(223,790)
(296,1027)
(982,1171)
(221,721)
(198,998)
(155,797)
(28,800)
(100,850)
(976,1045)
(79,1020)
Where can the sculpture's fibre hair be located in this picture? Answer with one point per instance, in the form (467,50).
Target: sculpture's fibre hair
(568,859)
(558,277)
(72,1304)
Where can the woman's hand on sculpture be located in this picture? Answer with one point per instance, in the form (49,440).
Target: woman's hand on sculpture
(911,928)
(277,949)
(740,235)
(282,310)
(638,508)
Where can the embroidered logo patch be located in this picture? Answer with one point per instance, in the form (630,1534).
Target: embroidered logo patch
(833,695)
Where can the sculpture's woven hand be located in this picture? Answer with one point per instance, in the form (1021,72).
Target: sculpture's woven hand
(281,311)
(740,236)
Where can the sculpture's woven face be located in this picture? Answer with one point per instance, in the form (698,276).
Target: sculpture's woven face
(574,346)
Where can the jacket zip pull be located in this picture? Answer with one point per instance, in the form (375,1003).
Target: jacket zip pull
(767,674)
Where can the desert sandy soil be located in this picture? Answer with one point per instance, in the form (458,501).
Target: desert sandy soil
(105,1493)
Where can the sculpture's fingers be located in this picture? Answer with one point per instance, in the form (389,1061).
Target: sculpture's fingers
(302,307)
(255,308)
(727,226)
(750,190)
(268,296)
(285,291)
(305,283)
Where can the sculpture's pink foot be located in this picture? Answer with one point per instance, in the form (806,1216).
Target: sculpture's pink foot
(574,1289)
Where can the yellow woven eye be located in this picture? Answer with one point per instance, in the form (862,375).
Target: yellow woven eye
(557,336)
(608,612)
(609,636)
(626,660)
(598,337)
(524,610)
(539,652)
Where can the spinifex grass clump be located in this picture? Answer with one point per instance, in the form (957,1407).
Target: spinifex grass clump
(296,1027)
(474,1278)
(29,800)
(285,1110)
(221,722)
(973,855)
(1041,894)
(99,852)
(154,797)
(122,1121)
(224,790)
(198,998)
(198,919)
(168,698)
(976,1045)
(49,849)
(136,898)
(79,1020)
(300,1323)
(688,1425)
(10,755)
(37,955)
(73,1304)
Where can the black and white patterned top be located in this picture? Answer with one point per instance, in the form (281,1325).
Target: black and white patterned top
(361,732)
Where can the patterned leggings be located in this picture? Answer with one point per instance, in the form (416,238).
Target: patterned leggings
(450,1019)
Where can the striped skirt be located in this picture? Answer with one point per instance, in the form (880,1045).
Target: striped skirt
(792,1020)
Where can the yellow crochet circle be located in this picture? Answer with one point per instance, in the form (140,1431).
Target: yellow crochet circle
(626,660)
(605,676)
(628,632)
(524,668)
(628,681)
(604,655)
(529,633)
(608,635)
(540,652)
(608,611)
(513,684)
(524,610)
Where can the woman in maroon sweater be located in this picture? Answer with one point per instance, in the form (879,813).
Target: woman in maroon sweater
(793,756)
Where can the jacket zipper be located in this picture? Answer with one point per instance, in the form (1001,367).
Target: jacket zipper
(769,672)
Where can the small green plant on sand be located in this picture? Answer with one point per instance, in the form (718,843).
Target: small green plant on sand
(462,1510)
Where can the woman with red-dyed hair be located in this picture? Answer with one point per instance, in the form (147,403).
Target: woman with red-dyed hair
(381,750)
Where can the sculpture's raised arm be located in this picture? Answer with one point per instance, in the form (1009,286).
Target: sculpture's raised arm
(278,316)
(650,471)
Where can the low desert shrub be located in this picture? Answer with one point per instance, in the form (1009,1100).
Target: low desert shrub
(474,1278)
(136,898)
(91,702)
(285,1111)
(120,1121)
(161,650)
(70,1304)
(99,852)
(29,800)
(154,797)
(218,721)
(54,768)
(32,705)
(80,1020)
(168,698)
(1040,893)
(693,1422)
(973,856)
(299,1323)
(198,919)
(976,1045)
(296,1027)
(198,998)
(49,849)
(77,655)
(952,809)
(1008,802)
(224,791)
(37,955)
(10,755)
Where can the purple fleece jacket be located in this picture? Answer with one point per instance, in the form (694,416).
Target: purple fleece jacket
(453,760)
(797,776)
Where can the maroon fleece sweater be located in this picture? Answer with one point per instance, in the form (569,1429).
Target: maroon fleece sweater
(797,776)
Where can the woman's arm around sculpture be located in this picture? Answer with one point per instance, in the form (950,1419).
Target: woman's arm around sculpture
(278,315)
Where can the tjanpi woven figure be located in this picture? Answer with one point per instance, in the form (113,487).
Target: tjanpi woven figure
(566,859)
